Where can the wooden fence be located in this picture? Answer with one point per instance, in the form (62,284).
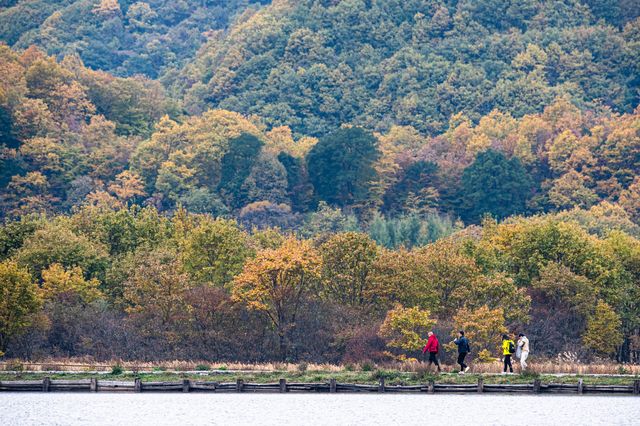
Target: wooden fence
(95,385)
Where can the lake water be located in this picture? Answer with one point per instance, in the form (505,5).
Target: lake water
(324,409)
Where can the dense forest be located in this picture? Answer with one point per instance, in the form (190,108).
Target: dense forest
(318,180)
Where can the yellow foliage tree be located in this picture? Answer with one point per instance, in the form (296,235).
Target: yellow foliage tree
(127,185)
(603,333)
(19,300)
(57,281)
(483,327)
(406,328)
(630,199)
(275,283)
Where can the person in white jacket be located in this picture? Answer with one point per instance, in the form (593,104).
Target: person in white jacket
(523,350)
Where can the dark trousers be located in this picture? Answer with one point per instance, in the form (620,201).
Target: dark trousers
(433,359)
(461,357)
(507,362)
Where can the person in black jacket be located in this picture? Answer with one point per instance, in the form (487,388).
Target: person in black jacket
(463,350)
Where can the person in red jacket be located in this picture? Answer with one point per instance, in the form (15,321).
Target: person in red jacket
(432,348)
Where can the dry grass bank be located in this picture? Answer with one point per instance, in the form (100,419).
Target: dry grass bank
(84,365)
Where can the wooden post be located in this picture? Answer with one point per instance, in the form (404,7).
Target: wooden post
(580,387)
(480,385)
(636,387)
(283,385)
(46,384)
(332,386)
(431,387)
(536,386)
(186,385)
(381,385)
(239,385)
(137,385)
(93,385)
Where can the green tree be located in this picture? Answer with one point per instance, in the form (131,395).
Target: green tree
(341,166)
(347,263)
(56,243)
(236,166)
(494,185)
(215,251)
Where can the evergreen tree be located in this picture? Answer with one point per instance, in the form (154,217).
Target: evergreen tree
(236,167)
(341,166)
(494,185)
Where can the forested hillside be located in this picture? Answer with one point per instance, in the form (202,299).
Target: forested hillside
(120,36)
(462,163)
(313,65)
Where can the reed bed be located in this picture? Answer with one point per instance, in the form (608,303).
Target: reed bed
(86,365)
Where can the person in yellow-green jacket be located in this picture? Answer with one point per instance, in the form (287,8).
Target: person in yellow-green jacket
(508,349)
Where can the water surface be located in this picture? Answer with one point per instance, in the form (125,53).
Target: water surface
(311,409)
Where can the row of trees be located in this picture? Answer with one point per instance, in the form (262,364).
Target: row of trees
(133,283)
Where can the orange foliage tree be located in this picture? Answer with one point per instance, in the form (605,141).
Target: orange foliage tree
(275,283)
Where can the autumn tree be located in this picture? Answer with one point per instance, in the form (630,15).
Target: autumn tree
(603,334)
(215,251)
(155,292)
(19,302)
(275,283)
(406,328)
(58,281)
(347,263)
(127,186)
(483,327)
(56,243)
(630,200)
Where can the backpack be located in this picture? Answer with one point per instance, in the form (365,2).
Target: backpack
(512,347)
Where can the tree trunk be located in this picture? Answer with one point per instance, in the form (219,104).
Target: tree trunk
(283,345)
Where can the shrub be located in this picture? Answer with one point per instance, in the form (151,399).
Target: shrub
(14,366)
(203,367)
(484,356)
(367,366)
(386,374)
(116,370)
(622,370)
(530,374)
(423,373)
(222,367)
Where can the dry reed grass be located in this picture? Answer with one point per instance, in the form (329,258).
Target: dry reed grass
(83,365)
(87,364)
(537,366)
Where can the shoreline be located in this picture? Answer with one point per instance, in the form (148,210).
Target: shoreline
(224,381)
(538,386)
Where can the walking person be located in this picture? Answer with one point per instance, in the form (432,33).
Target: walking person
(508,349)
(463,349)
(523,348)
(432,347)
